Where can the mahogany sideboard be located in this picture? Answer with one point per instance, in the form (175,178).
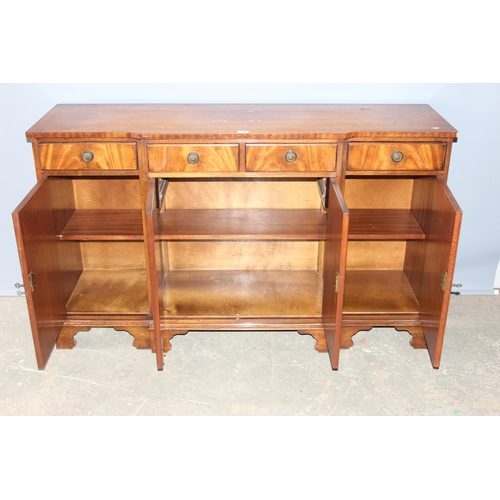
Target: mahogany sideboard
(158,219)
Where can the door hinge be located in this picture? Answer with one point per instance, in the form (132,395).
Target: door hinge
(337,278)
(323,191)
(31,278)
(444,279)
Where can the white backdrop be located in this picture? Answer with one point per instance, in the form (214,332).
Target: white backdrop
(473,109)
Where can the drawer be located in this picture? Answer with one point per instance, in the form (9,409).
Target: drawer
(396,156)
(193,157)
(291,157)
(88,156)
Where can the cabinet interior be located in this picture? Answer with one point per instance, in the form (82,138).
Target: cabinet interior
(241,248)
(387,243)
(100,233)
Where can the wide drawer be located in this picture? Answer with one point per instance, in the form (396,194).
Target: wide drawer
(88,156)
(291,157)
(396,156)
(193,157)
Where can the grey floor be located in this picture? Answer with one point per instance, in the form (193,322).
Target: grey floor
(256,373)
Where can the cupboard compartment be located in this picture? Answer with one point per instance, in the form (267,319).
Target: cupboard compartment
(395,275)
(82,279)
(246,254)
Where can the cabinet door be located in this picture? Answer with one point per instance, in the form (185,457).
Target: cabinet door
(440,218)
(155,268)
(44,261)
(334,270)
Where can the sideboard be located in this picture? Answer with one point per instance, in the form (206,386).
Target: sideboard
(160,219)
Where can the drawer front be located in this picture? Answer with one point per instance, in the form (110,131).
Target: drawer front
(193,158)
(396,156)
(291,158)
(89,156)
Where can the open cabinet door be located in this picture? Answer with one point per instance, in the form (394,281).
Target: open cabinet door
(441,223)
(46,282)
(154,258)
(334,270)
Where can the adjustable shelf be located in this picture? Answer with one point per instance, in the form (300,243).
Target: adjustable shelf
(104,225)
(384,224)
(224,224)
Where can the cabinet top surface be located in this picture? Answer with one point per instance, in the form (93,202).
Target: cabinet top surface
(241,121)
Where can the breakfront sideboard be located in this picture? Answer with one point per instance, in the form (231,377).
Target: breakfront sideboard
(158,219)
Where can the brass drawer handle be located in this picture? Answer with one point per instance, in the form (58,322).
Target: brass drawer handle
(290,156)
(193,158)
(397,156)
(87,156)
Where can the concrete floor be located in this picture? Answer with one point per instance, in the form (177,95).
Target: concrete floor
(256,373)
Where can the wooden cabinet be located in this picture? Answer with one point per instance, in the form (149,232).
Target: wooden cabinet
(161,219)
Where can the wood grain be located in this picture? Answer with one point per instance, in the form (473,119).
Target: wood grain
(241,294)
(111,291)
(376,255)
(242,194)
(107,156)
(378,192)
(441,221)
(334,271)
(112,254)
(379,292)
(55,267)
(377,156)
(212,158)
(271,158)
(241,121)
(155,268)
(384,224)
(243,255)
(102,225)
(107,193)
(261,224)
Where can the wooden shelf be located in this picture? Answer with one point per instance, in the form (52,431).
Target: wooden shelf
(378,292)
(262,224)
(115,291)
(103,225)
(383,224)
(241,294)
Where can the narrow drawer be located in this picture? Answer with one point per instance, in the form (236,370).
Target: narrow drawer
(291,158)
(193,158)
(88,156)
(396,156)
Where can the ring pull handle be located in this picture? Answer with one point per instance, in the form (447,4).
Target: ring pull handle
(290,156)
(193,158)
(87,156)
(397,156)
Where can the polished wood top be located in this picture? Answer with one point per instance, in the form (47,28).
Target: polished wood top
(241,121)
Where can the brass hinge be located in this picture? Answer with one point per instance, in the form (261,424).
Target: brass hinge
(444,279)
(337,278)
(323,191)
(31,278)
